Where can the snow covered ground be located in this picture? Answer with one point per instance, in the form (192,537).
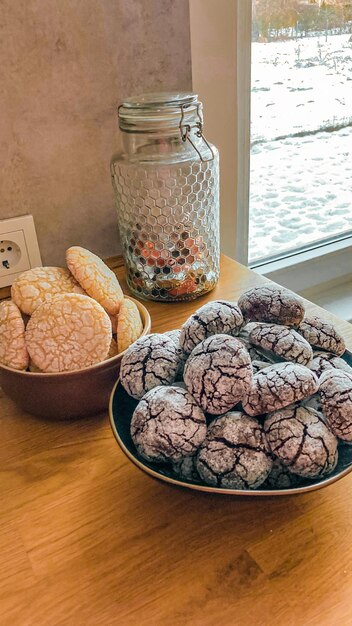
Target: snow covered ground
(301,186)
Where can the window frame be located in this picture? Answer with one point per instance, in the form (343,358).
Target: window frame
(224,60)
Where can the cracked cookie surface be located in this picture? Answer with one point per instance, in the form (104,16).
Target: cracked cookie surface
(336,399)
(13,351)
(40,284)
(174,335)
(218,373)
(235,453)
(96,278)
(282,341)
(167,425)
(129,324)
(322,334)
(217,317)
(69,332)
(278,386)
(271,304)
(151,361)
(299,437)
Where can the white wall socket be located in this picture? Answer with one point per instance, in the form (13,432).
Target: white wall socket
(19,250)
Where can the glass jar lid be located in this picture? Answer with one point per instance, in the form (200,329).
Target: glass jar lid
(153,112)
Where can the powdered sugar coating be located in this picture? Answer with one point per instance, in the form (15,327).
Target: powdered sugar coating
(175,336)
(271,303)
(322,334)
(219,316)
(13,351)
(129,324)
(278,386)
(336,399)
(282,341)
(235,453)
(151,361)
(69,332)
(218,373)
(299,437)
(96,278)
(167,425)
(40,284)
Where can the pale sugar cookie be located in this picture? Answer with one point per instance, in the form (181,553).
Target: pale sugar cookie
(69,332)
(113,350)
(13,351)
(113,320)
(129,324)
(38,285)
(33,368)
(95,277)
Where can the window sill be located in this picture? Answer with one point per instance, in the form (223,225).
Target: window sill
(311,268)
(335,296)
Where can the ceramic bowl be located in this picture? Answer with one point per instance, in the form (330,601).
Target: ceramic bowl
(121,409)
(67,394)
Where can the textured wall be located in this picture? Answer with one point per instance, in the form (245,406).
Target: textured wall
(65,65)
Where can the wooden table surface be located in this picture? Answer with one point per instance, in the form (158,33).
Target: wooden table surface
(87,539)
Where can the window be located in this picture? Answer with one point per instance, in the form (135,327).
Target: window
(301,125)
(221,43)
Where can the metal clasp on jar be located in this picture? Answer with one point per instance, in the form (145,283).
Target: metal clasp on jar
(185,130)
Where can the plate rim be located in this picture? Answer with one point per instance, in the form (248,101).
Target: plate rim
(208,488)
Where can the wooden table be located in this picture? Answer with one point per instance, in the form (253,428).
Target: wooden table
(87,539)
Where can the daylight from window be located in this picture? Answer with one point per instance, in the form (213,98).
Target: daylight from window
(301,125)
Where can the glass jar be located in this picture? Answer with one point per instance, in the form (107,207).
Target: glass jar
(166,183)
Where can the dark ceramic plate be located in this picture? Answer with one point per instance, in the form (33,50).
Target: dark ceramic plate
(121,408)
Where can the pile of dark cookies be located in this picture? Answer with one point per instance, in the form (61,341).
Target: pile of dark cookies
(262,397)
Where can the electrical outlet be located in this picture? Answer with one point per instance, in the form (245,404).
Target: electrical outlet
(19,250)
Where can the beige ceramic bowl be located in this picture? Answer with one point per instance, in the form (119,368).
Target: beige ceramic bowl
(68,394)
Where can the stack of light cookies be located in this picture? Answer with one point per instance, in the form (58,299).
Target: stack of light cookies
(65,319)
(262,397)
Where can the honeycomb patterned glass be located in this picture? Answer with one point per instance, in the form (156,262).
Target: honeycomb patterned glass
(167,196)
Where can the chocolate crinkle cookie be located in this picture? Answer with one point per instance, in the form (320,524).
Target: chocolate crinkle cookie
(322,334)
(284,342)
(336,399)
(299,437)
(151,361)
(167,425)
(323,361)
(174,335)
(273,304)
(234,454)
(213,318)
(186,469)
(278,386)
(280,477)
(218,373)
(256,354)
